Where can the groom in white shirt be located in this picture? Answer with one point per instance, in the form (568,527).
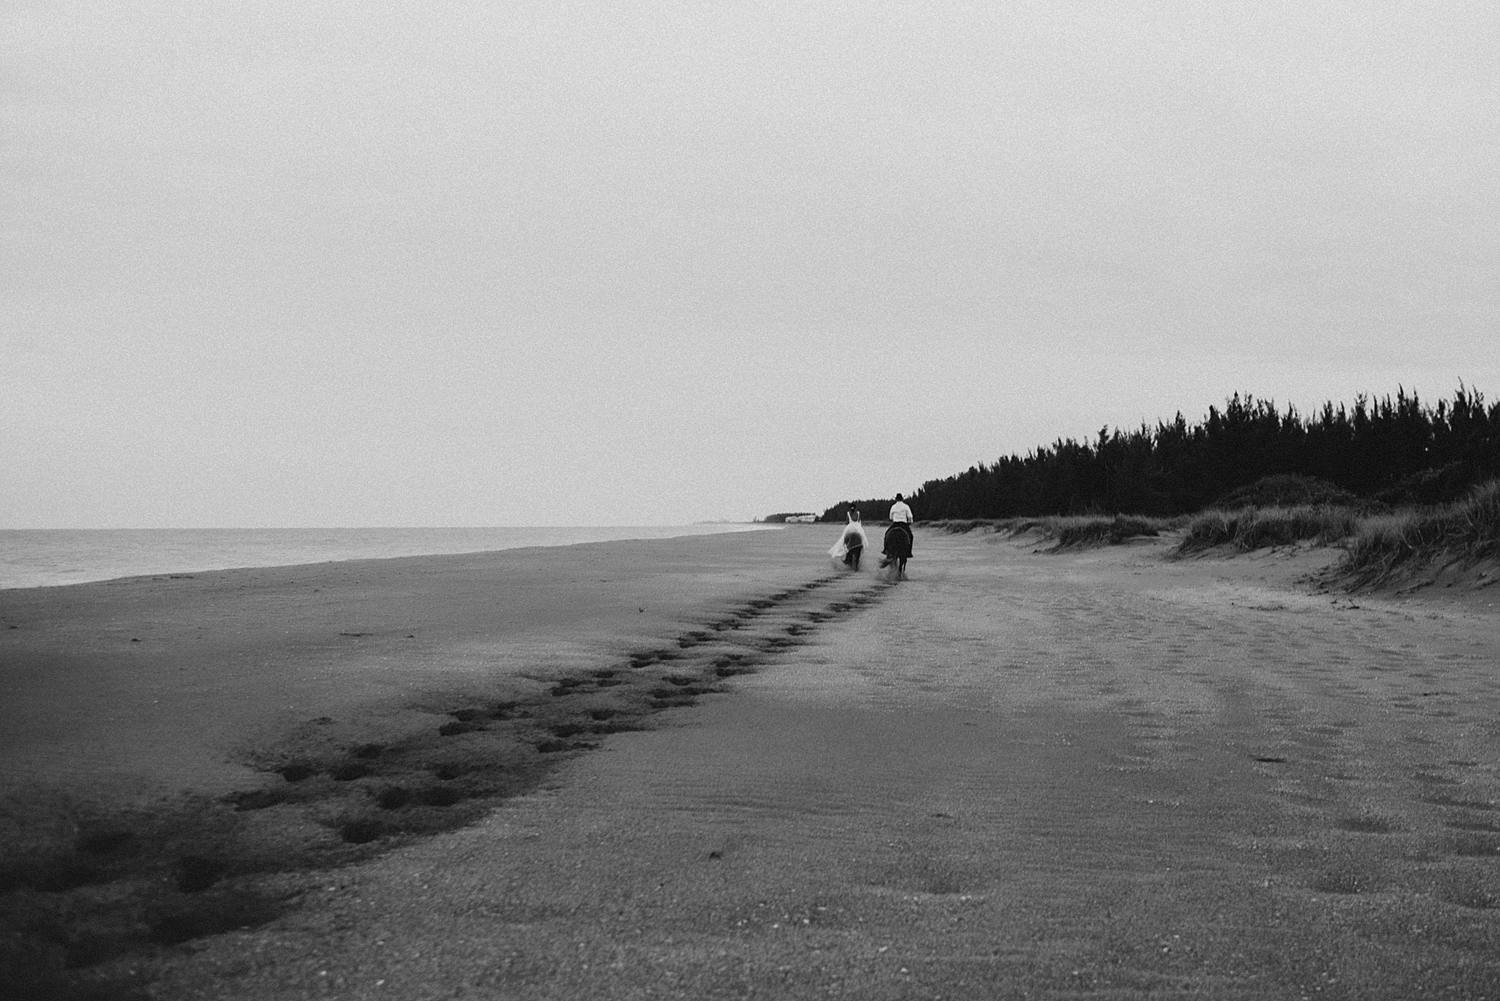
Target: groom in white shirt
(900,512)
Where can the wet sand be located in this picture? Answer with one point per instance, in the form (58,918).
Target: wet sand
(151,685)
(1017,775)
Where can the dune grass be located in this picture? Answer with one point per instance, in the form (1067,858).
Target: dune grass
(1390,548)
(1243,529)
(1250,528)
(962,526)
(1088,532)
(1068,531)
(1381,548)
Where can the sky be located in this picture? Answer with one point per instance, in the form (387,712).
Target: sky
(328,262)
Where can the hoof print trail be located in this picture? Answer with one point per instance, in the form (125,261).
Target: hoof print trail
(361,832)
(196,873)
(440,796)
(105,841)
(559,746)
(567,686)
(393,798)
(372,794)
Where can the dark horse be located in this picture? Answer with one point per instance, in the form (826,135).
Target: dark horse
(897,548)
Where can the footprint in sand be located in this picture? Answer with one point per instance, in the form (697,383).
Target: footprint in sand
(1365,824)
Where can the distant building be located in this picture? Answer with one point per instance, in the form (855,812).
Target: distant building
(807,518)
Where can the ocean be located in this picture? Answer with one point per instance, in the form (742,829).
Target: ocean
(53,557)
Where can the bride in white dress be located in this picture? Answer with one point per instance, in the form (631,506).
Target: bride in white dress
(851,543)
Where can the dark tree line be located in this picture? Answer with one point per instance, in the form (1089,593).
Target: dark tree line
(1397,451)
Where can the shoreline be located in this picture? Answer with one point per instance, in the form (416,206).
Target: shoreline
(50,557)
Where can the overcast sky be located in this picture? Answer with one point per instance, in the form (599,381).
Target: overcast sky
(489,263)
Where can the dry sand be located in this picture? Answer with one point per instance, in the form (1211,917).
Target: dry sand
(1099,775)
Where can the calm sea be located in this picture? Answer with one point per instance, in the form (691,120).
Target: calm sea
(48,557)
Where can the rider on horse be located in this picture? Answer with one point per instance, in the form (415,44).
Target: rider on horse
(898,537)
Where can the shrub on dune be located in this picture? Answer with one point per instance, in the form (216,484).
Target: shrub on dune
(1285,526)
(1209,529)
(1069,532)
(1086,532)
(1394,546)
(1286,490)
(1248,529)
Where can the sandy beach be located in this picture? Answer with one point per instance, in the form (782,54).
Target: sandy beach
(719,767)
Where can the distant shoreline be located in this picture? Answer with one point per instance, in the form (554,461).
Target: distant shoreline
(59,557)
